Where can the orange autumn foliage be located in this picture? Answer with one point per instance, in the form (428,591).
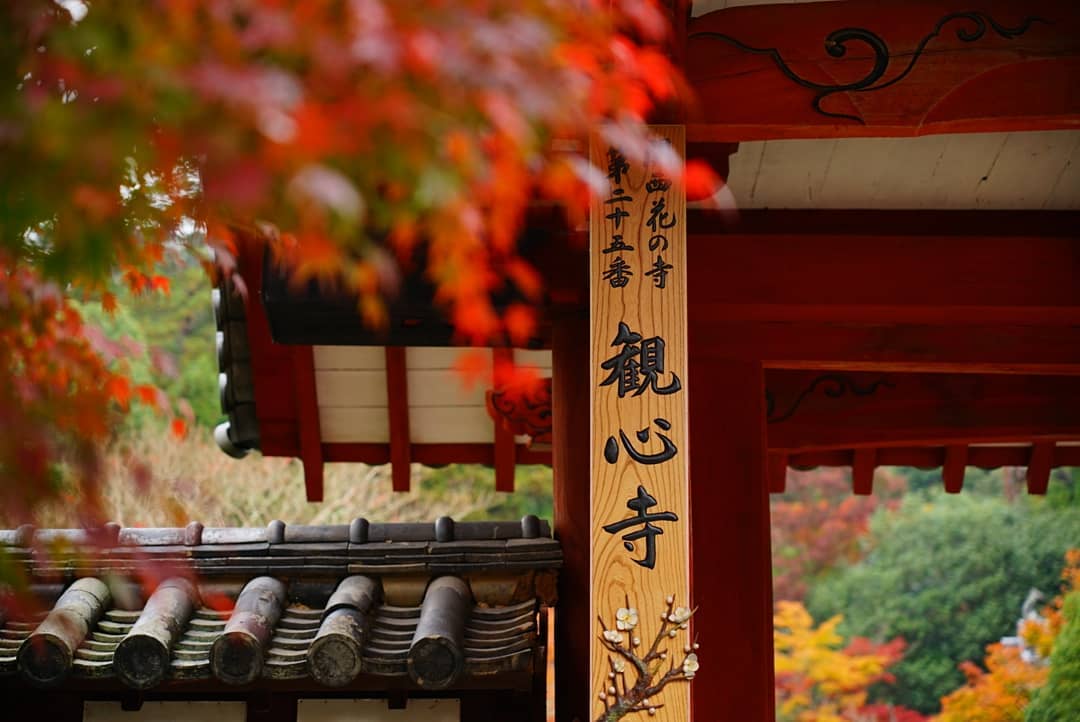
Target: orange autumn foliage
(1039,634)
(331,124)
(360,137)
(1003,691)
(999,694)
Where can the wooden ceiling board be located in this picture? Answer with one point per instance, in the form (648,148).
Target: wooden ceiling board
(1036,170)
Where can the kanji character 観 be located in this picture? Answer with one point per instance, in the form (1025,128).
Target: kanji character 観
(638,364)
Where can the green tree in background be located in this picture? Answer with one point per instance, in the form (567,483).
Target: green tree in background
(532,489)
(980,482)
(948,574)
(1059,700)
(1064,490)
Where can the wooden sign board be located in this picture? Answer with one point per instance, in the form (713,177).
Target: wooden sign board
(643,653)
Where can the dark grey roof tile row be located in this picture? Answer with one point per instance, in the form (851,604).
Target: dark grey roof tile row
(174,637)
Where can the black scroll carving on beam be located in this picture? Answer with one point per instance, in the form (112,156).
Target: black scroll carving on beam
(836,46)
(833,385)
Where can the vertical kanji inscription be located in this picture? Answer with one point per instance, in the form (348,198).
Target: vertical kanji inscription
(640,485)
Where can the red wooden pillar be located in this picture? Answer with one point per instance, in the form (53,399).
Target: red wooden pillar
(397,394)
(731,563)
(570,468)
(307,417)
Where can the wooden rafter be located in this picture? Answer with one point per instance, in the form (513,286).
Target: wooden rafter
(1038,471)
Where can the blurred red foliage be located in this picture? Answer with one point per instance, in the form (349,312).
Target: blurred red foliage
(817,523)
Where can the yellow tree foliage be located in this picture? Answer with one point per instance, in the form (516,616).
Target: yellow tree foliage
(1039,634)
(818,679)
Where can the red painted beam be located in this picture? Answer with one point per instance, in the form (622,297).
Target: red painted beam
(565,258)
(889,347)
(898,69)
(762,251)
(872,223)
(864,300)
(397,394)
(984,456)
(816,410)
(932,457)
(880,277)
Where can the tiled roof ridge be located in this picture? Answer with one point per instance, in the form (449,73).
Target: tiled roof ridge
(296,551)
(444,636)
(360,531)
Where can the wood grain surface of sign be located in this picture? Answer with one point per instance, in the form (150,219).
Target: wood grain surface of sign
(640,487)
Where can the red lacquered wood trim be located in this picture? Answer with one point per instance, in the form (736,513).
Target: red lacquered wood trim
(356,452)
(430,454)
(307,407)
(505,448)
(397,396)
